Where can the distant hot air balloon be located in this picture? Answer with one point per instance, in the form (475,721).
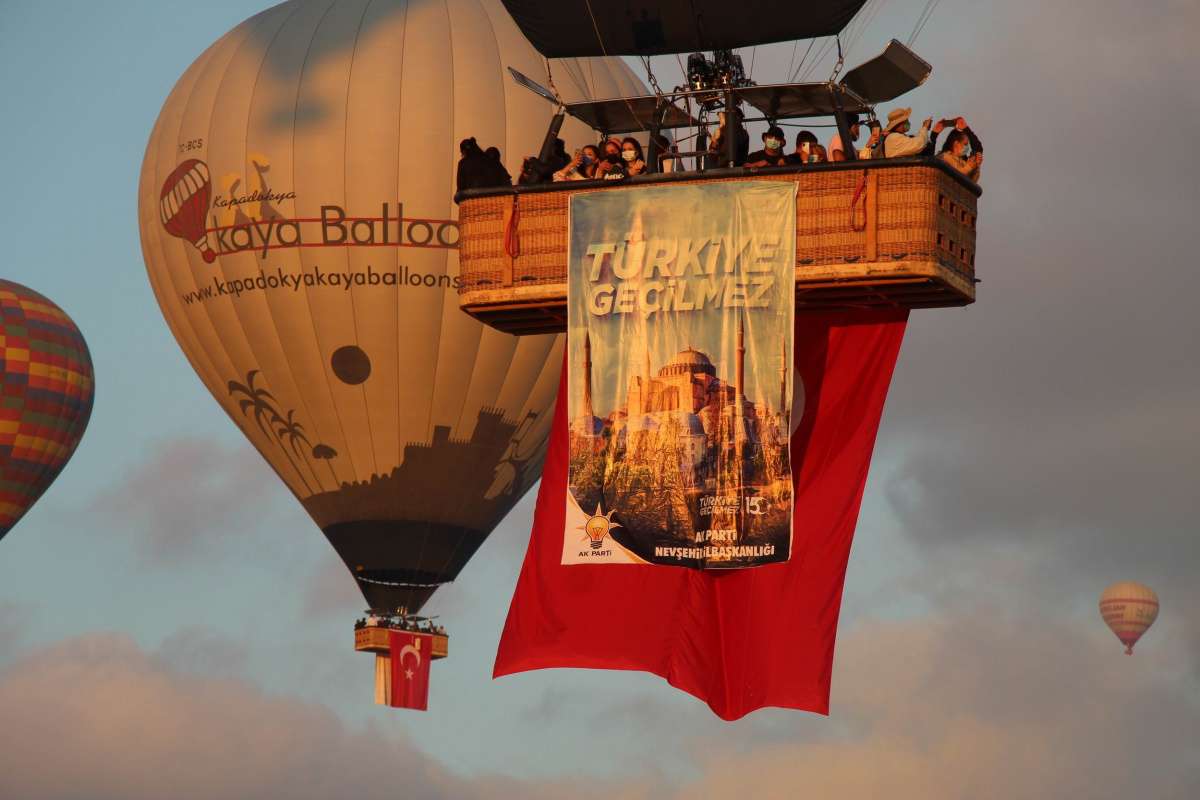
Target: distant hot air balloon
(1129,609)
(47,397)
(299,233)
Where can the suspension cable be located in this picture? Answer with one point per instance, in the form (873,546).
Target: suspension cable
(604,51)
(922,19)
(792,78)
(840,62)
(550,80)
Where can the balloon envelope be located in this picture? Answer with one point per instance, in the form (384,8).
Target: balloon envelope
(1129,609)
(48,387)
(299,233)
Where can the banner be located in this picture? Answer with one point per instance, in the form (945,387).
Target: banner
(679,331)
(411,654)
(737,639)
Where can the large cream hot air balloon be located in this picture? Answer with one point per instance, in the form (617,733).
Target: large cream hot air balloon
(299,232)
(1129,609)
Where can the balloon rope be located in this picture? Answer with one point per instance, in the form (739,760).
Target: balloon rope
(604,51)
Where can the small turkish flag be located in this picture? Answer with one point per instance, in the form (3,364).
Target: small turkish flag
(411,654)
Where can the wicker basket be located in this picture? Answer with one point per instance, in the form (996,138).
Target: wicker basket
(908,240)
(374,639)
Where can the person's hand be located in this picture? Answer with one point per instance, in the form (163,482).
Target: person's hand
(928,121)
(939,126)
(577,158)
(874,140)
(978,158)
(960,123)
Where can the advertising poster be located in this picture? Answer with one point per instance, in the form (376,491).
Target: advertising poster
(680,327)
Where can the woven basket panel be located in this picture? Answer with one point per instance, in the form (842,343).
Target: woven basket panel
(922,215)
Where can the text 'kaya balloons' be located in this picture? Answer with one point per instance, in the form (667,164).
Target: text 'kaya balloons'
(45,399)
(1129,609)
(299,232)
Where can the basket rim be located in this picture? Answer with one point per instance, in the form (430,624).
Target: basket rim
(870,165)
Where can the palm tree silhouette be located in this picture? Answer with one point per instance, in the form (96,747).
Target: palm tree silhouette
(327,454)
(260,402)
(293,431)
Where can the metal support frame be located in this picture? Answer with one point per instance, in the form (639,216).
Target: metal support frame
(652,153)
(849,151)
(732,126)
(556,123)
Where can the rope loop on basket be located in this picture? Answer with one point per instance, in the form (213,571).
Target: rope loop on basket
(512,244)
(859,192)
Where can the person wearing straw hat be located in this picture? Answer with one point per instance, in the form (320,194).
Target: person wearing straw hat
(896,141)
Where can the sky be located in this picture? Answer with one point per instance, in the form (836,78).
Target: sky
(168,610)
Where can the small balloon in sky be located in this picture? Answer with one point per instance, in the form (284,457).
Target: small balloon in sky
(1129,609)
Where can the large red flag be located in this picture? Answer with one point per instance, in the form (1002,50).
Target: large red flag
(737,639)
(411,654)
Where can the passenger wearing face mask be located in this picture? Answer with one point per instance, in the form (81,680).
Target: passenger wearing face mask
(631,154)
(954,153)
(612,165)
(772,154)
(581,167)
(896,141)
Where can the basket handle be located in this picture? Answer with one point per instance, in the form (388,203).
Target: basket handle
(512,244)
(859,192)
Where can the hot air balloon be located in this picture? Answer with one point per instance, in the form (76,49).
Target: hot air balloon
(48,390)
(299,233)
(1129,609)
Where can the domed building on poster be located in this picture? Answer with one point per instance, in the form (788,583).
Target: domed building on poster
(684,406)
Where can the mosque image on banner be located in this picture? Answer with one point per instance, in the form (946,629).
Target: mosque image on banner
(680,328)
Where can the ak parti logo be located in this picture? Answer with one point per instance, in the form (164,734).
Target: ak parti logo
(598,527)
(186,194)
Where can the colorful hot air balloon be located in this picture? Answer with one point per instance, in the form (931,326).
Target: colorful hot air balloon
(47,397)
(1129,609)
(300,236)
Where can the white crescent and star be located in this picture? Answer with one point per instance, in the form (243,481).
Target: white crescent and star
(408,648)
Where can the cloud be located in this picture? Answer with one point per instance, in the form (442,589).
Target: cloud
(189,496)
(199,650)
(330,589)
(983,704)
(97,717)
(1055,420)
(13,625)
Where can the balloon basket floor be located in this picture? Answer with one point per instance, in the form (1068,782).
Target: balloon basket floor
(375,640)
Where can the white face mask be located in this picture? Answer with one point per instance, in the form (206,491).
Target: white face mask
(629,155)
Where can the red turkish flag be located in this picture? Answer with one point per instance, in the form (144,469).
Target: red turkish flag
(410,654)
(737,639)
